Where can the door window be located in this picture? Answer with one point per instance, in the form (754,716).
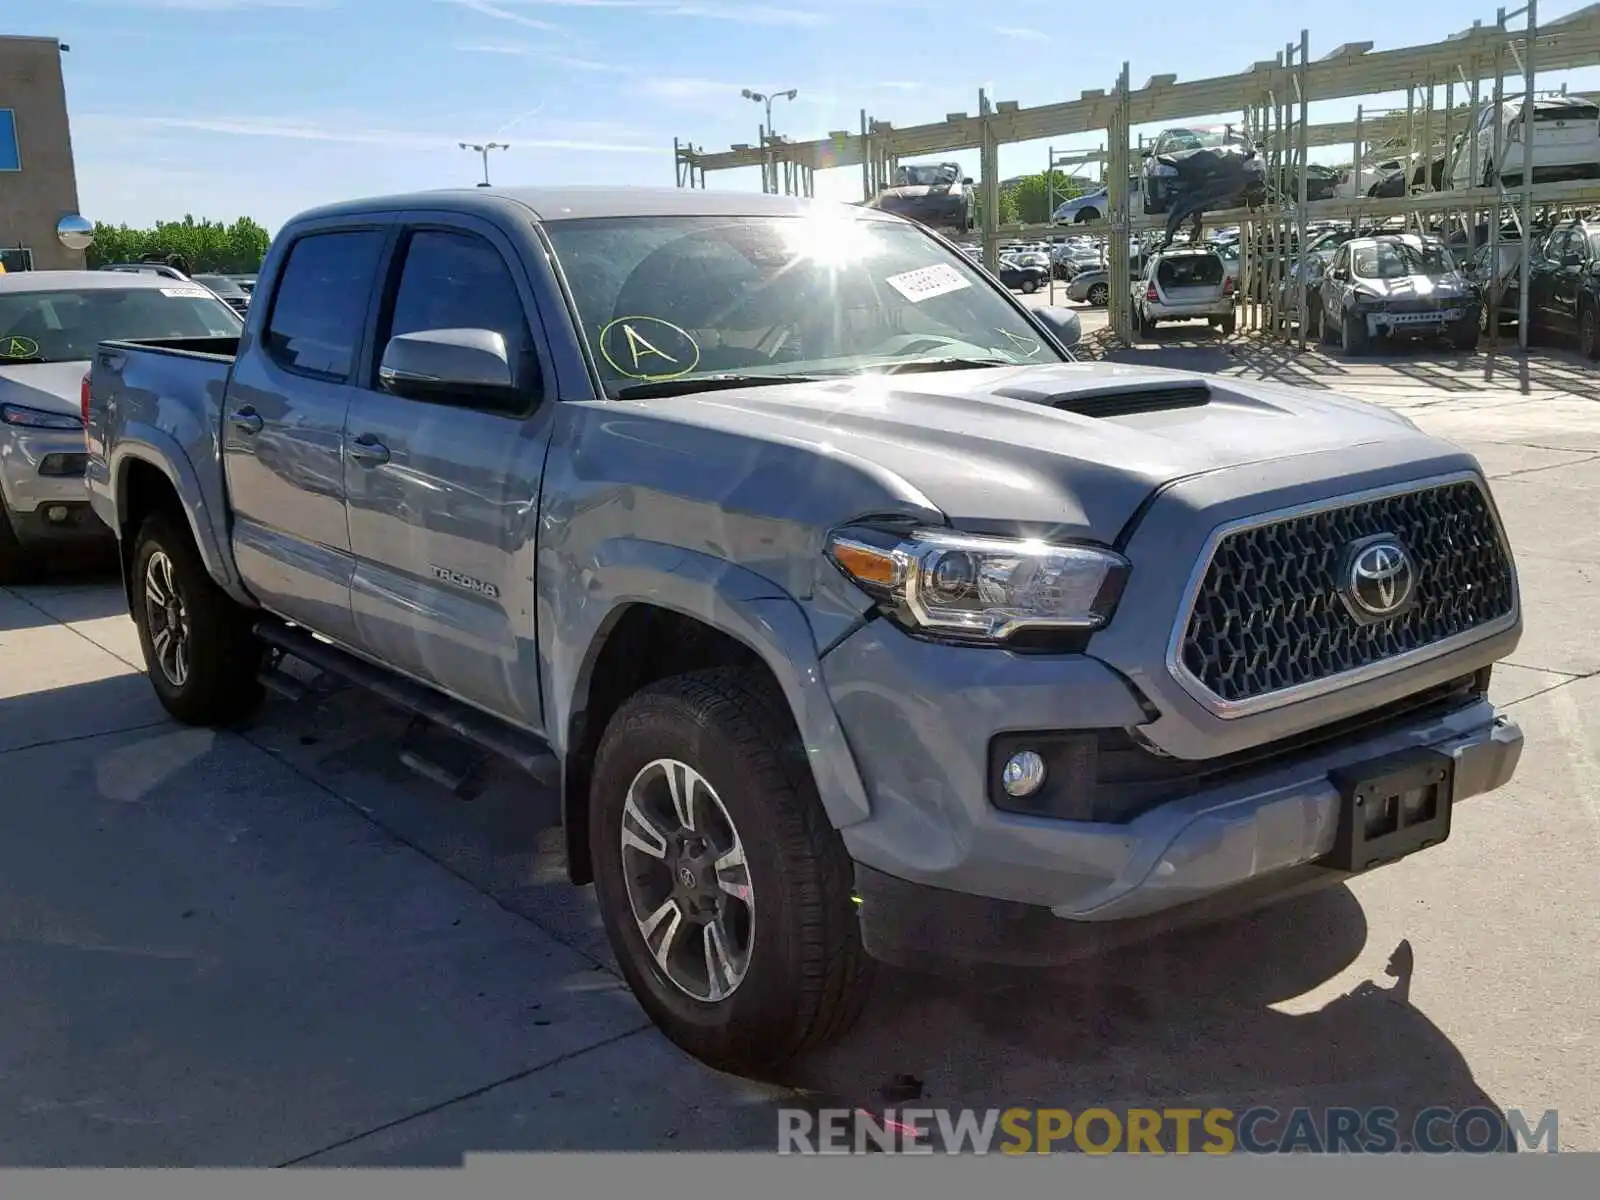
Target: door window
(455,280)
(320,306)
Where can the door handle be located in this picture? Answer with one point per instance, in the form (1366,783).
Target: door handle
(369,451)
(246,420)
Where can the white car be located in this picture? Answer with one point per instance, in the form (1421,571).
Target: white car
(1185,284)
(1566,143)
(1368,177)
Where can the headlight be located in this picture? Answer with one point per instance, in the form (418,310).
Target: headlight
(33,418)
(979,587)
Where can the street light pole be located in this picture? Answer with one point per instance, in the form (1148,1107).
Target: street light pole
(769,166)
(483,148)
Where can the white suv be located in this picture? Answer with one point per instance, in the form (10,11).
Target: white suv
(1184,285)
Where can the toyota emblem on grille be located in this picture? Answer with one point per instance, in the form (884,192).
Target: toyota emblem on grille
(1381,580)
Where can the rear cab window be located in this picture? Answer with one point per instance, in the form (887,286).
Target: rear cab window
(319,307)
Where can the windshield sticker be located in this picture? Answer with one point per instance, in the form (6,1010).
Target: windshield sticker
(18,347)
(648,348)
(197,293)
(928,282)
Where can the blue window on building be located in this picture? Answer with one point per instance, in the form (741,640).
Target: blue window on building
(10,156)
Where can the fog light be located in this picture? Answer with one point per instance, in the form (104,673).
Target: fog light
(57,513)
(1023,774)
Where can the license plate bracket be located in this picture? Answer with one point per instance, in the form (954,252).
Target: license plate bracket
(1391,807)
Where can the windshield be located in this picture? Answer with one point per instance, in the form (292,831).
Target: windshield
(1397,260)
(925,176)
(669,298)
(66,326)
(1201,139)
(220,284)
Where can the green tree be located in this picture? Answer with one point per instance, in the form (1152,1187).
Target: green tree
(203,246)
(1008,208)
(1033,196)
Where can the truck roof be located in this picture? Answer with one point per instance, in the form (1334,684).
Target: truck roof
(82,281)
(578,202)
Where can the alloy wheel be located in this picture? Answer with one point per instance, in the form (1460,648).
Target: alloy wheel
(687,880)
(167,617)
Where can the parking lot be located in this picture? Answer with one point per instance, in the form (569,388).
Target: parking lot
(277,945)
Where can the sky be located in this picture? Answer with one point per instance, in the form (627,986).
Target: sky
(262,108)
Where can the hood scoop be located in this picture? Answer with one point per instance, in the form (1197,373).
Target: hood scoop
(1116,402)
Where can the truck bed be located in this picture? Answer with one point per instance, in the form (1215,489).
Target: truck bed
(209,347)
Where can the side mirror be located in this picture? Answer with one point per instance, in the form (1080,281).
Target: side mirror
(450,365)
(1064,323)
(966,181)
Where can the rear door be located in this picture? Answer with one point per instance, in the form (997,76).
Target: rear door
(443,496)
(1187,279)
(283,427)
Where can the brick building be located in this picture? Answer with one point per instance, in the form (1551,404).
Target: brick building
(38,186)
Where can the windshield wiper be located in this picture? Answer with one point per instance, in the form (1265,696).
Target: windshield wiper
(947,364)
(705,383)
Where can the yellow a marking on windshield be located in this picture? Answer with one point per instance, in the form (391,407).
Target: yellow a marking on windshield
(637,342)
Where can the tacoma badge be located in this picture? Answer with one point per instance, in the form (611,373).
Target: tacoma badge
(446,575)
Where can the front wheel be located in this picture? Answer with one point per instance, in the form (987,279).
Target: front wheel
(725,892)
(1099,295)
(1589,332)
(1353,335)
(12,556)
(1029,286)
(203,659)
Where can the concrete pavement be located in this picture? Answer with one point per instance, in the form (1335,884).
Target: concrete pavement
(276,945)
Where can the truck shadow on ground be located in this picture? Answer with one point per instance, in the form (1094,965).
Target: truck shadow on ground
(1183,1021)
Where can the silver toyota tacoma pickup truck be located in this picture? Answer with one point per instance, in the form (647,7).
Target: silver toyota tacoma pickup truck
(848,615)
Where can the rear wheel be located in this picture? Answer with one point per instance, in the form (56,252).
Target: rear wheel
(1085,215)
(725,892)
(201,655)
(1228,325)
(1099,295)
(1147,327)
(1465,338)
(1030,286)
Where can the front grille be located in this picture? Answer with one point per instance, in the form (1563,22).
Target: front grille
(1269,614)
(1415,306)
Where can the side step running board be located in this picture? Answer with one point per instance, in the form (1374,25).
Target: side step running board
(522,749)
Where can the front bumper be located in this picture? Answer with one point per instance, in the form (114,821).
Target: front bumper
(42,481)
(1431,323)
(944,876)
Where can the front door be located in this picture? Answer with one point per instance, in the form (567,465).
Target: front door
(443,498)
(283,429)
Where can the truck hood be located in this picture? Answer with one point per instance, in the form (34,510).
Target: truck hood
(1003,446)
(1417,287)
(49,387)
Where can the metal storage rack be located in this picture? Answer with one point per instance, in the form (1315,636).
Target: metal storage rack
(1272,97)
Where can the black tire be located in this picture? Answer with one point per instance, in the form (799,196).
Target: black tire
(1465,338)
(1229,324)
(1030,286)
(1099,295)
(1326,333)
(1589,332)
(807,976)
(1313,321)
(1147,327)
(1353,336)
(220,685)
(13,558)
